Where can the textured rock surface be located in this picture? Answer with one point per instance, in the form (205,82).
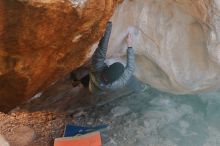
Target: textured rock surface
(42,40)
(177,42)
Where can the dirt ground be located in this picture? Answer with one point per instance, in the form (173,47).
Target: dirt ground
(37,129)
(42,119)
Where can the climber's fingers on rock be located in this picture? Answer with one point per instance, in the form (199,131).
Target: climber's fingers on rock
(129,39)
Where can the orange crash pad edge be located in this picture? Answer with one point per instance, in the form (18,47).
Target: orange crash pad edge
(91,139)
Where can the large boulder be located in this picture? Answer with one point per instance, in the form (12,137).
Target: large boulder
(177,42)
(42,40)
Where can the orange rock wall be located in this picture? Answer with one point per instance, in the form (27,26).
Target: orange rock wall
(41,41)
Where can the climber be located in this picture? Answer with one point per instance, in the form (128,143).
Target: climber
(105,78)
(80,76)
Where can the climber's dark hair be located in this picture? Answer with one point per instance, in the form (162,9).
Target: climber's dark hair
(112,73)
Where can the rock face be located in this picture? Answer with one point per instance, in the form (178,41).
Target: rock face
(177,42)
(42,40)
(3,142)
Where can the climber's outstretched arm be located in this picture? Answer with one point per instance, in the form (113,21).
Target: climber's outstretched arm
(98,57)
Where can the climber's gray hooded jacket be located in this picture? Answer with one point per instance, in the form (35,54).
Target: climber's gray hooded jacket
(96,85)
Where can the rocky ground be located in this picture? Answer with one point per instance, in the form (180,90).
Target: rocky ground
(151,118)
(42,119)
(39,128)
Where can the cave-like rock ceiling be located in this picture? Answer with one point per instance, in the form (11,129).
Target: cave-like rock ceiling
(42,40)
